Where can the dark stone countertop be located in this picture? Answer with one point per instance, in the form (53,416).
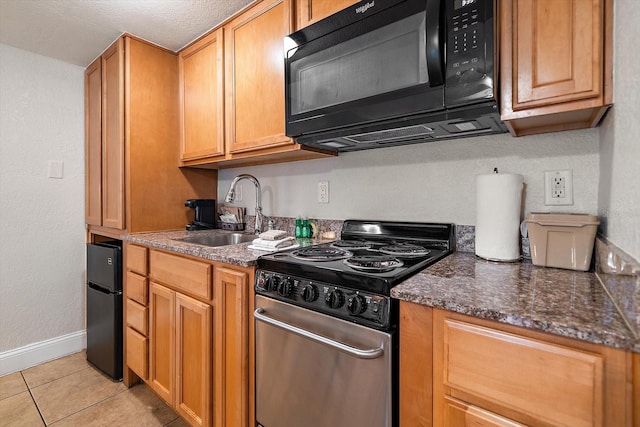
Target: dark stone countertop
(562,302)
(238,254)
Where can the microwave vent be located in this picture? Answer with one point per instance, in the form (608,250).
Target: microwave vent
(391,135)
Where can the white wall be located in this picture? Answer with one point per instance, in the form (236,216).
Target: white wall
(432,181)
(619,191)
(42,219)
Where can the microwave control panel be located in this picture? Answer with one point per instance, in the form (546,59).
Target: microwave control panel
(467,38)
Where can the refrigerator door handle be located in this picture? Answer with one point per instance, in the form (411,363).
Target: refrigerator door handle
(103,289)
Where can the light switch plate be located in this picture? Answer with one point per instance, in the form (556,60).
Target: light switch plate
(56,169)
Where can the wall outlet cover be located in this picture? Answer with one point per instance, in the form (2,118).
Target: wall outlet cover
(558,188)
(323,192)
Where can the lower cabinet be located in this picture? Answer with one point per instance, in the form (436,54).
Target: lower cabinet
(231,290)
(188,335)
(473,372)
(180,353)
(162,341)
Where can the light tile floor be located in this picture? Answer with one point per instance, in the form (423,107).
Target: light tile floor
(71,392)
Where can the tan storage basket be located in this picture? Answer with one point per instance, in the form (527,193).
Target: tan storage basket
(562,240)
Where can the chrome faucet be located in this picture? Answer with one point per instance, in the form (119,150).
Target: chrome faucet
(231,195)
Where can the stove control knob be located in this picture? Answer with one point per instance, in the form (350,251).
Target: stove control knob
(335,299)
(285,287)
(356,305)
(310,293)
(271,283)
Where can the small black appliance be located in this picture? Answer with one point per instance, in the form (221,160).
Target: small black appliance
(205,214)
(104,307)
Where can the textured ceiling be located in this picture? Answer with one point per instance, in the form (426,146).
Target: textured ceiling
(77,31)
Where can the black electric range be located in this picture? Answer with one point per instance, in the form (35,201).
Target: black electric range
(352,278)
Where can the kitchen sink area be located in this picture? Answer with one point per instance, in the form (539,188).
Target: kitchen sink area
(215,240)
(218,245)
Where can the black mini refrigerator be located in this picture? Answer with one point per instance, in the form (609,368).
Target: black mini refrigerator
(104,307)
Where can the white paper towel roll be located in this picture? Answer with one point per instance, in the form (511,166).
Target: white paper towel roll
(498,205)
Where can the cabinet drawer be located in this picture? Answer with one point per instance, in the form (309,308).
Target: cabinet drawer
(137,317)
(137,353)
(521,374)
(137,288)
(137,259)
(459,414)
(188,275)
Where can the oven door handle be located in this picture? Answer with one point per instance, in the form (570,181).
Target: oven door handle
(352,351)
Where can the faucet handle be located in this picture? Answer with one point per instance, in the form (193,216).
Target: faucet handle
(271,224)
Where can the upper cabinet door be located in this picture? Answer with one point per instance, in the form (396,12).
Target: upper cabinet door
(311,11)
(202,98)
(555,64)
(113,136)
(557,53)
(93,143)
(254,66)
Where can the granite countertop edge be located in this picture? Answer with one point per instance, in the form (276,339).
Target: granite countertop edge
(238,254)
(171,240)
(560,302)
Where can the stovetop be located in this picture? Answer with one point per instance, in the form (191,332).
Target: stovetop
(389,252)
(384,253)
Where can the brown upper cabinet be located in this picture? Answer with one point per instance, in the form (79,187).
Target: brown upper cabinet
(311,11)
(131,142)
(235,74)
(93,143)
(254,64)
(104,84)
(202,98)
(555,64)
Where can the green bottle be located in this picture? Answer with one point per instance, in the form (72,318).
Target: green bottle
(306,228)
(298,232)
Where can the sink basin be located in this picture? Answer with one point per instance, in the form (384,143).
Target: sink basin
(219,239)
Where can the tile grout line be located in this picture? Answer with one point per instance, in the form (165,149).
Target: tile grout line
(78,411)
(33,399)
(87,407)
(59,378)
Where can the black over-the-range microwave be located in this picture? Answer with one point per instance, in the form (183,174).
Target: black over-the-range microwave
(391,72)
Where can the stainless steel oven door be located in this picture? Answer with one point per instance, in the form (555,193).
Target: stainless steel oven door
(316,370)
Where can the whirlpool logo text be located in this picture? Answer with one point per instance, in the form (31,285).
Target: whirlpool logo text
(365,7)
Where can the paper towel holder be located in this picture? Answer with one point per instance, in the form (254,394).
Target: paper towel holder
(497,234)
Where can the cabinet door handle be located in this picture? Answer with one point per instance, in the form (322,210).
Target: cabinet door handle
(353,351)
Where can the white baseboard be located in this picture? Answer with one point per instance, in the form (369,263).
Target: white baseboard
(34,354)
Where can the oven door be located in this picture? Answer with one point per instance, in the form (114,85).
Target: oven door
(316,370)
(370,62)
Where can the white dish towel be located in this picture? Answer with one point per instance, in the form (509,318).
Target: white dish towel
(273,245)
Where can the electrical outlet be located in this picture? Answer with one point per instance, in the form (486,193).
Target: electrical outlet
(558,188)
(323,192)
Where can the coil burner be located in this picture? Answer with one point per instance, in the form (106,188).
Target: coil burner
(373,263)
(316,253)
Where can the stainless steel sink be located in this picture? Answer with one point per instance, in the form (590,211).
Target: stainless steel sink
(219,239)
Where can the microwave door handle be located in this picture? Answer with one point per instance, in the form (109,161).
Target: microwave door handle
(373,353)
(434,39)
